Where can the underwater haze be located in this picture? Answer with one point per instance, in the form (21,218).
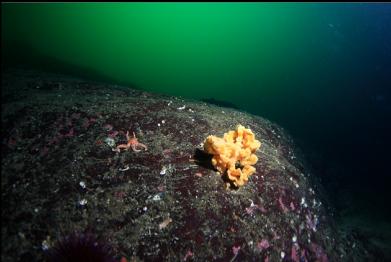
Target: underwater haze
(322,71)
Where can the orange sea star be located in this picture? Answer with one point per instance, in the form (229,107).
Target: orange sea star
(132,143)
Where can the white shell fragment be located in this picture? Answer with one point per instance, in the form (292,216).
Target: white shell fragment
(124,169)
(163,171)
(294,238)
(156,197)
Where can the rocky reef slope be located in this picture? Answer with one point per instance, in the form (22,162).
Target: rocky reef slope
(60,175)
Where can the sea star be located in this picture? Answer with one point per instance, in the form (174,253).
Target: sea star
(132,143)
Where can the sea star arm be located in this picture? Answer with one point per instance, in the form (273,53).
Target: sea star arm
(134,148)
(142,145)
(123,146)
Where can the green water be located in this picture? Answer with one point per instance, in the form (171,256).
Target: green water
(256,55)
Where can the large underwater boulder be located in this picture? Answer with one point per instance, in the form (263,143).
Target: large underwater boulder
(60,175)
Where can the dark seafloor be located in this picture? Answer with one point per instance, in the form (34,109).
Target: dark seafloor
(60,175)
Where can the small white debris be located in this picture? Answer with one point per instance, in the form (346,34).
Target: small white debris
(83,202)
(192,120)
(294,238)
(190,110)
(124,169)
(158,124)
(110,141)
(282,254)
(45,245)
(156,197)
(169,103)
(145,209)
(302,201)
(163,121)
(223,112)
(316,222)
(181,108)
(163,171)
(82,184)
(36,210)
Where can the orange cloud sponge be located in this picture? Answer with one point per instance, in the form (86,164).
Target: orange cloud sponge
(234,154)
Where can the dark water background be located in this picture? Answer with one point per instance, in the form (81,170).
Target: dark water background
(322,71)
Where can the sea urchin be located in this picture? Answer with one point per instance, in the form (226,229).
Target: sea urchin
(83,247)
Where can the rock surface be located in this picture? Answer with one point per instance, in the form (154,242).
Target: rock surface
(61,175)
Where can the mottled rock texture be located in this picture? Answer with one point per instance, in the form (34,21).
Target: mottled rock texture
(59,176)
